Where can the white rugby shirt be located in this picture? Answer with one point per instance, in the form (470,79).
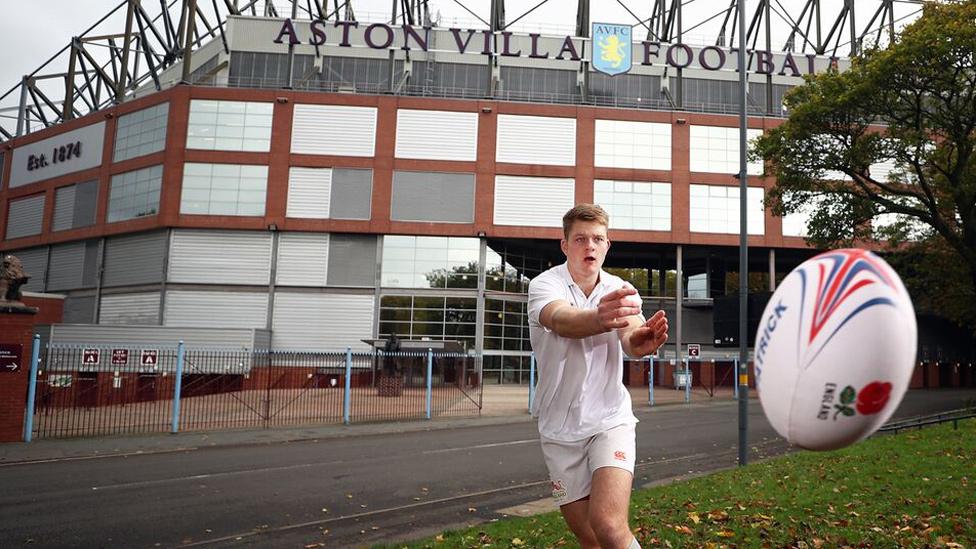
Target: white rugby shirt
(580,391)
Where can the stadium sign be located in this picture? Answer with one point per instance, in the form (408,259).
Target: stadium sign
(612,55)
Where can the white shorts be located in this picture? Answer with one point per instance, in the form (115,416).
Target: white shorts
(571,464)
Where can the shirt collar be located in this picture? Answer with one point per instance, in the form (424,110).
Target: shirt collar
(603,279)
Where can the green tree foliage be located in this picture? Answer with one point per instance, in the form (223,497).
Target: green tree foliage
(912,104)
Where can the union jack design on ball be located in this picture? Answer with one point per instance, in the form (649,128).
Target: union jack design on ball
(837,279)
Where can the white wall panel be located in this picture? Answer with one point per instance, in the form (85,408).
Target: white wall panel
(216,309)
(322,322)
(303,259)
(220,257)
(536,140)
(437,135)
(129,309)
(309,192)
(534,201)
(334,130)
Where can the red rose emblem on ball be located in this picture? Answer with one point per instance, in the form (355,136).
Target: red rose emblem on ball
(873,397)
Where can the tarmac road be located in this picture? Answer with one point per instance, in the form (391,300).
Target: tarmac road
(350,491)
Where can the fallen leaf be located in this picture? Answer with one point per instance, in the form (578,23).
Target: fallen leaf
(718,515)
(694,518)
(725,534)
(517,542)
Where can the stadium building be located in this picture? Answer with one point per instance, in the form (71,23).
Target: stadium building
(333,179)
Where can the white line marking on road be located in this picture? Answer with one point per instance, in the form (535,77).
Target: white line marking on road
(479,446)
(214,475)
(103,456)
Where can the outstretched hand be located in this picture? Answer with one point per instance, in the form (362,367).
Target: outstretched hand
(648,337)
(615,307)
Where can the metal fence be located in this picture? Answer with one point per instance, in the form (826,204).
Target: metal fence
(103,390)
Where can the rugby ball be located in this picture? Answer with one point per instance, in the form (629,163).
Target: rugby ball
(835,349)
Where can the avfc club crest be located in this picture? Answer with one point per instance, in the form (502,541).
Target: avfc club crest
(611,48)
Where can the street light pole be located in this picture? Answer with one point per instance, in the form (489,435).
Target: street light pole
(742,377)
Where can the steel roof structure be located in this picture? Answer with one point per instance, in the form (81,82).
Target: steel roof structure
(129,47)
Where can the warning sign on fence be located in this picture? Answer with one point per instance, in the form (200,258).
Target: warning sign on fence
(120,357)
(150,357)
(90,357)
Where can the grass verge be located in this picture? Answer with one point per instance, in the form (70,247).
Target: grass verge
(915,489)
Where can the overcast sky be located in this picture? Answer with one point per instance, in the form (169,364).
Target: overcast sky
(31,31)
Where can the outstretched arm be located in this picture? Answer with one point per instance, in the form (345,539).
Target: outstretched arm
(613,312)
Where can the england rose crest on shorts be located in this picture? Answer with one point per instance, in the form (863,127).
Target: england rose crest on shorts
(558,490)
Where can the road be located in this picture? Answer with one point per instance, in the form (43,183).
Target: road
(351,491)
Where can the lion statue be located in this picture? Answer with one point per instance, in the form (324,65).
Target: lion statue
(12,277)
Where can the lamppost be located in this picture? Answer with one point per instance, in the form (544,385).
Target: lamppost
(742,376)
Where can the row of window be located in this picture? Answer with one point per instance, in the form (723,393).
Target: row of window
(346,193)
(420,134)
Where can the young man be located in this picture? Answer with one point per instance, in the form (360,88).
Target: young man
(581,320)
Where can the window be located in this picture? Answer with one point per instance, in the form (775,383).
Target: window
(74,206)
(637,145)
(715,209)
(321,193)
(795,224)
(432,196)
(434,317)
(229,125)
(141,132)
(223,189)
(430,262)
(635,204)
(25,216)
(506,325)
(134,194)
(510,271)
(716,150)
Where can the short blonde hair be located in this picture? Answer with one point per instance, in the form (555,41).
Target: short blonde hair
(585,212)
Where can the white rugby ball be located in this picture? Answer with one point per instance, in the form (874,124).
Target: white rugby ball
(835,349)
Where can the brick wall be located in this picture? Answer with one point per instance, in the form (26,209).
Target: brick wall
(15,328)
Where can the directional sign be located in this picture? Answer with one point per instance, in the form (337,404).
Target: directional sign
(10,356)
(120,357)
(150,357)
(694,350)
(90,357)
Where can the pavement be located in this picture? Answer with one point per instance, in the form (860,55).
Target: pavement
(501,404)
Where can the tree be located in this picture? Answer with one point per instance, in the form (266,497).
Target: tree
(911,105)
